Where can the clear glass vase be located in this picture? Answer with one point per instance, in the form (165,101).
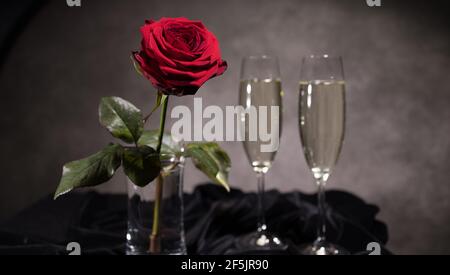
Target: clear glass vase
(170,239)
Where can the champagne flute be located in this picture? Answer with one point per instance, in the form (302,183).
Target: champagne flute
(322,126)
(260,89)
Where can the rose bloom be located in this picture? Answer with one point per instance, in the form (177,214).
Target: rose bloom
(178,55)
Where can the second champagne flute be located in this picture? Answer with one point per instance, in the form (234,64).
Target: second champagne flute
(322,127)
(260,89)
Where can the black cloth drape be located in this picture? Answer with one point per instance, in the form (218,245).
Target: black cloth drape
(213,220)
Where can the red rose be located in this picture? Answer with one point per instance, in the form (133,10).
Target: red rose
(178,55)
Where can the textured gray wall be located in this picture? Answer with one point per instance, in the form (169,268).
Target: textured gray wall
(396,153)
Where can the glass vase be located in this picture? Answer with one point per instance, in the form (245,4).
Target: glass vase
(143,206)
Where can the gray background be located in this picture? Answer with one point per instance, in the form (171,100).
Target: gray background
(396,152)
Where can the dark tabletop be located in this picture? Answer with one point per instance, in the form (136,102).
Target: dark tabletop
(213,220)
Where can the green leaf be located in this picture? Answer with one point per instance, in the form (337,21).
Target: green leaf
(136,66)
(212,160)
(169,146)
(121,118)
(93,170)
(141,165)
(159,99)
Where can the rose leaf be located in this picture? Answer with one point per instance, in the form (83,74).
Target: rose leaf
(122,119)
(141,164)
(91,171)
(212,160)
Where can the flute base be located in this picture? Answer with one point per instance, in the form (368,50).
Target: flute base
(322,248)
(260,241)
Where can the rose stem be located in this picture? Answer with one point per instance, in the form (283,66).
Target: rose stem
(154,237)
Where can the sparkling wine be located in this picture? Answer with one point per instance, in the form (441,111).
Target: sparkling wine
(266,92)
(322,123)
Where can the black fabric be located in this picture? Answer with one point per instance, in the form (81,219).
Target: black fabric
(213,220)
